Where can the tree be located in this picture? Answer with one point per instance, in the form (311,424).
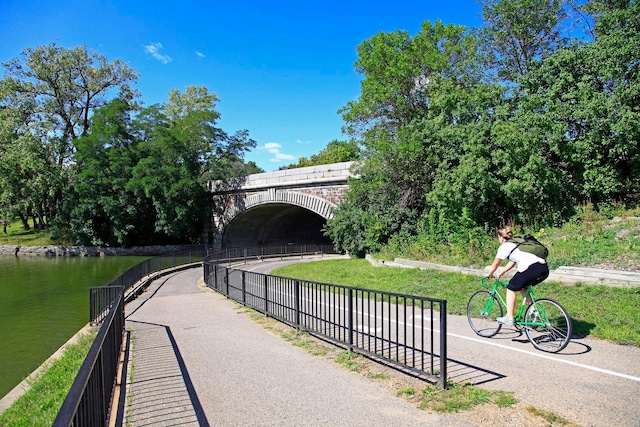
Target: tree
(335,152)
(584,105)
(54,92)
(520,32)
(421,97)
(101,209)
(26,176)
(140,174)
(183,149)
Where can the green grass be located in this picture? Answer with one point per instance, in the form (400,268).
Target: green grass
(457,398)
(18,236)
(551,417)
(599,311)
(39,406)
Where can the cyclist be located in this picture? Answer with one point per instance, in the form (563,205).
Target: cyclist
(531,270)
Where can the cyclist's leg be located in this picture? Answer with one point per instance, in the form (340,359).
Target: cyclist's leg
(535,274)
(518,283)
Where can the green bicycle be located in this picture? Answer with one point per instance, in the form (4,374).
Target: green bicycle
(545,322)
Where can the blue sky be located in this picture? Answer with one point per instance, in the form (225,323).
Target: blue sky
(281,70)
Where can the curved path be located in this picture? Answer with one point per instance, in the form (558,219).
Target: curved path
(197,361)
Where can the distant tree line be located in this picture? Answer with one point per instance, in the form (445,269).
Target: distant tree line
(520,121)
(335,152)
(82,158)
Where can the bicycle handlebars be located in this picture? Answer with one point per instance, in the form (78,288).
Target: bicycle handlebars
(486,285)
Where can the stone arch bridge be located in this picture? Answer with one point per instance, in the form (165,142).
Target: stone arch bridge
(282,207)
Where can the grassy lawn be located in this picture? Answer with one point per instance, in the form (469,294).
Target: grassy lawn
(599,311)
(18,236)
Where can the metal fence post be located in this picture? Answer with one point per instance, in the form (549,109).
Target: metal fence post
(443,344)
(297,302)
(244,289)
(350,317)
(266,295)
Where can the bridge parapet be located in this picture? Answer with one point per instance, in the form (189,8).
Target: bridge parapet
(315,189)
(308,176)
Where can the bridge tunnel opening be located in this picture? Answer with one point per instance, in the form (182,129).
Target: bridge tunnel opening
(275,224)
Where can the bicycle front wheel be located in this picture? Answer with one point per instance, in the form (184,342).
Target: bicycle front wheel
(548,325)
(482,311)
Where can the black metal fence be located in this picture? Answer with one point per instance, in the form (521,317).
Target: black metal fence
(89,400)
(278,251)
(407,331)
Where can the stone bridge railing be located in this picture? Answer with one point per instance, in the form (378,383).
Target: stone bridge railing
(318,189)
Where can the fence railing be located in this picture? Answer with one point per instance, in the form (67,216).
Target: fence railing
(88,402)
(278,251)
(407,331)
(89,399)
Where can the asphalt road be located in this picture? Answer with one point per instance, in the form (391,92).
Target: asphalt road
(196,360)
(591,382)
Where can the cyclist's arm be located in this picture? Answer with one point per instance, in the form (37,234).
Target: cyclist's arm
(506,268)
(494,266)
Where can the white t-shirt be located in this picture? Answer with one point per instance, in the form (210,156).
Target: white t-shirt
(522,259)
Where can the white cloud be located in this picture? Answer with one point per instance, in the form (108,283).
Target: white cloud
(299,141)
(154,50)
(281,156)
(200,54)
(273,148)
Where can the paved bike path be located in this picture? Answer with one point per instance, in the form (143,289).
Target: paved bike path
(196,360)
(591,382)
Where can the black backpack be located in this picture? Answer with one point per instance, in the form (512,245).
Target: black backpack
(530,244)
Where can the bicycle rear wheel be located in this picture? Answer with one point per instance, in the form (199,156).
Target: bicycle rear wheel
(482,311)
(548,325)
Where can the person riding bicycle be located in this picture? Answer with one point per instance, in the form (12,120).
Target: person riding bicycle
(531,270)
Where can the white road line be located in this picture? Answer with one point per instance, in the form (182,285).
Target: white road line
(545,356)
(531,353)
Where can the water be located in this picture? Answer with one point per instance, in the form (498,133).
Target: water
(44,301)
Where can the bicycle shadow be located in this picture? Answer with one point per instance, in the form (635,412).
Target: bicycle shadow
(508,333)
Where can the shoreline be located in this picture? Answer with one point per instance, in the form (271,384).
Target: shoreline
(86,251)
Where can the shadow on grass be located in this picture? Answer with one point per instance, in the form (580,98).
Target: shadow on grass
(581,328)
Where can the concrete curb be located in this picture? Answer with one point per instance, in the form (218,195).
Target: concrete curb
(568,275)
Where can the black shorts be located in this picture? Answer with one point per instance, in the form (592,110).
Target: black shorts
(533,275)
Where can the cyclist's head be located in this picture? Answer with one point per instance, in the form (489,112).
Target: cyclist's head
(505,232)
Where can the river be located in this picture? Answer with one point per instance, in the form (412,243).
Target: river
(44,301)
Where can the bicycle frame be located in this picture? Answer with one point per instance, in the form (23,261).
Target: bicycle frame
(545,322)
(517,318)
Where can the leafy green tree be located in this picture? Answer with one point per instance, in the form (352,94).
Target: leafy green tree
(102,210)
(522,32)
(584,106)
(421,97)
(53,92)
(26,175)
(183,148)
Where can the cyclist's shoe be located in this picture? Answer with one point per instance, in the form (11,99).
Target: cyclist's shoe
(505,320)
